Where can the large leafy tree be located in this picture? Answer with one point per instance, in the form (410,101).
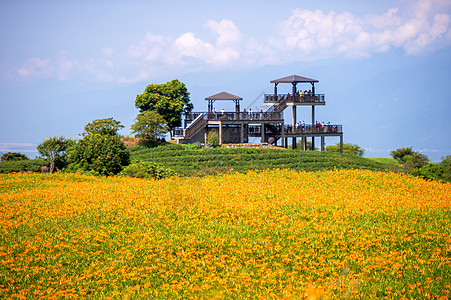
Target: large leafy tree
(169,100)
(54,148)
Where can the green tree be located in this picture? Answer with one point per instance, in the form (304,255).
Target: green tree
(401,153)
(103,126)
(55,149)
(169,100)
(347,148)
(149,125)
(411,159)
(104,154)
(13,156)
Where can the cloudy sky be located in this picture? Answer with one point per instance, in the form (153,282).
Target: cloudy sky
(384,66)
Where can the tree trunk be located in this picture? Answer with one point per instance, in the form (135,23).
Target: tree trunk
(52,165)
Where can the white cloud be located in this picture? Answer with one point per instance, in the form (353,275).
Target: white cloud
(332,34)
(35,66)
(415,28)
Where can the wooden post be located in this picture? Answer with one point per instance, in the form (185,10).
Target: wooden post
(220,133)
(313,126)
(284,144)
(242,133)
(341,143)
(263,132)
(322,143)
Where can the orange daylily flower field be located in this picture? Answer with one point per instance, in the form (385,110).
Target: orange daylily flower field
(278,234)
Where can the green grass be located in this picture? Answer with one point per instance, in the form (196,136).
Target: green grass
(385,160)
(188,161)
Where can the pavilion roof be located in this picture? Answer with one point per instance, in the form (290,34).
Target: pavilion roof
(224,96)
(293,79)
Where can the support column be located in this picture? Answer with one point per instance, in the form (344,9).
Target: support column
(304,143)
(283,135)
(293,124)
(286,142)
(242,133)
(322,143)
(341,143)
(313,126)
(220,133)
(263,132)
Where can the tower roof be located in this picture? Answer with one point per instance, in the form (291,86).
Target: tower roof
(224,96)
(293,79)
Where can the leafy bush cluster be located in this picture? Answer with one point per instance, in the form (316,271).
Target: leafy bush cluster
(146,170)
(409,158)
(29,165)
(13,156)
(102,153)
(435,171)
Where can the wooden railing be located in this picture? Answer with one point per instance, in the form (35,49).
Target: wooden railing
(288,129)
(194,126)
(317,98)
(230,116)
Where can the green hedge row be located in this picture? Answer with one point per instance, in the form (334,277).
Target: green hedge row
(189,161)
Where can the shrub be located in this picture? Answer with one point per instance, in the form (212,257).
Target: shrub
(411,159)
(213,138)
(347,148)
(29,165)
(146,170)
(101,153)
(435,171)
(13,156)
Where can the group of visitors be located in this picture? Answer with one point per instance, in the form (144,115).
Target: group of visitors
(305,93)
(319,126)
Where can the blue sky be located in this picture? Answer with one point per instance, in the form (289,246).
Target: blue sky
(384,66)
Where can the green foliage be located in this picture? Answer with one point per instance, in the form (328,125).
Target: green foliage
(435,171)
(149,125)
(347,148)
(103,126)
(102,153)
(415,161)
(55,149)
(169,100)
(205,161)
(146,170)
(401,153)
(13,156)
(29,165)
(411,159)
(213,138)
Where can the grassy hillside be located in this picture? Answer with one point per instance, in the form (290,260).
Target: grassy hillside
(186,160)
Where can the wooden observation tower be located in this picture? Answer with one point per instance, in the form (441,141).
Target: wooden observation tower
(238,126)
